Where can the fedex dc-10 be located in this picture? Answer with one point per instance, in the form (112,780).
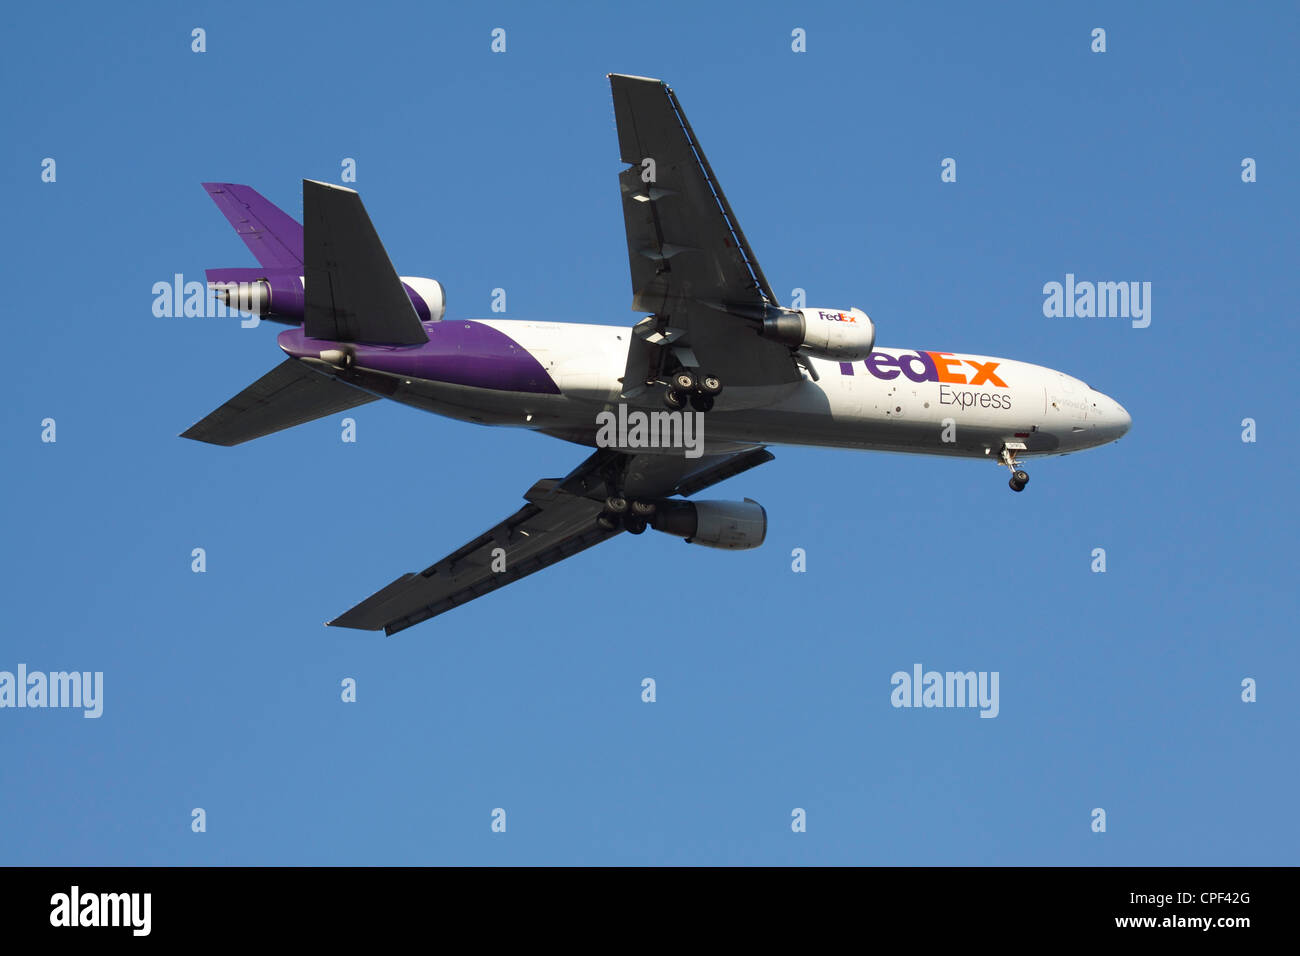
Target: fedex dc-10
(717,351)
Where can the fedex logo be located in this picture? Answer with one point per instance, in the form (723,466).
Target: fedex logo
(835,316)
(929,367)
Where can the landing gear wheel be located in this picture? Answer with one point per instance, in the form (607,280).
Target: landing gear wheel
(684,380)
(711,385)
(1007,457)
(607,522)
(643,508)
(702,403)
(675,400)
(616,505)
(633,524)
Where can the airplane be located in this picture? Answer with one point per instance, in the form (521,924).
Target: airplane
(716,351)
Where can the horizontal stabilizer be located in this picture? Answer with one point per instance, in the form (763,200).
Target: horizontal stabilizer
(290,394)
(353,292)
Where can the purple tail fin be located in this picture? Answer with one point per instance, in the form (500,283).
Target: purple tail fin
(272,236)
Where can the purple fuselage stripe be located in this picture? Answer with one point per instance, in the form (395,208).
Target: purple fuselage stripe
(458,353)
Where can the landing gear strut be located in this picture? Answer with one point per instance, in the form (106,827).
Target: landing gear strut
(1019,477)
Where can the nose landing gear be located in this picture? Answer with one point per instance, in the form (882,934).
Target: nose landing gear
(1007,456)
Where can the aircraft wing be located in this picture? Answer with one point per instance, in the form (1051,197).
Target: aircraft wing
(691,264)
(558,521)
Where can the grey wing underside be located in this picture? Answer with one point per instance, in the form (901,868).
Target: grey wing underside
(558,522)
(690,263)
(290,394)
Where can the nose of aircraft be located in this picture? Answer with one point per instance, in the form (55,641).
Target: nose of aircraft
(1112,417)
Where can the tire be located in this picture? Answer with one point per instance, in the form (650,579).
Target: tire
(1015,485)
(702,403)
(684,380)
(607,522)
(616,504)
(711,385)
(1022,478)
(674,399)
(643,508)
(633,525)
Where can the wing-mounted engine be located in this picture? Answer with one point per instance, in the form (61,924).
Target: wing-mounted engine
(841,336)
(280,296)
(730,525)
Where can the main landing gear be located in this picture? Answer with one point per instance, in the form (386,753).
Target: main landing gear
(685,386)
(1019,477)
(632,517)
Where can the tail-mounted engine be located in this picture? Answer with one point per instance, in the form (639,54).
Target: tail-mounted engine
(280,296)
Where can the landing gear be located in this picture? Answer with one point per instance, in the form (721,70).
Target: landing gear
(685,386)
(675,399)
(684,381)
(632,517)
(1019,477)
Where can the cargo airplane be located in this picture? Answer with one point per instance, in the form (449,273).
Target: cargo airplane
(716,345)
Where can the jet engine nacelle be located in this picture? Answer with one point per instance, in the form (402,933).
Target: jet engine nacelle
(254,297)
(282,296)
(731,525)
(428,297)
(838,336)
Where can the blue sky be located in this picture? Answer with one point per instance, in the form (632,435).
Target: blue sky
(1119,690)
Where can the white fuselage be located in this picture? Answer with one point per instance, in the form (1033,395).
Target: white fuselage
(896,400)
